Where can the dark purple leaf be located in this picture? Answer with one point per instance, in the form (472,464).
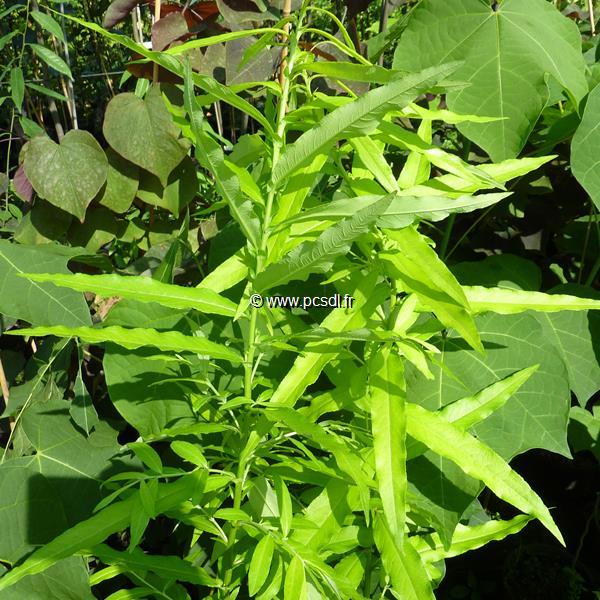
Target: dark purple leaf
(117,11)
(23,186)
(357,6)
(167,30)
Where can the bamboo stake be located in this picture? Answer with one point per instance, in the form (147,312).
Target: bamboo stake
(156,19)
(592,17)
(4,384)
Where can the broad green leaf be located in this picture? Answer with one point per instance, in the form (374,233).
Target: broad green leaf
(95,530)
(295,587)
(509,302)
(171,341)
(62,474)
(82,409)
(143,289)
(477,460)
(210,155)
(388,424)
(17,87)
(46,22)
(138,389)
(402,211)
(69,174)
(508,49)
(180,190)
(51,59)
(66,580)
(143,132)
(121,183)
(169,567)
(536,414)
(319,256)
(361,115)
(402,565)
(574,335)
(500,270)
(307,367)
(260,564)
(419,269)
(466,538)
(584,430)
(37,303)
(585,147)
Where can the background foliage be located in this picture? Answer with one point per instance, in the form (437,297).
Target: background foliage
(436,160)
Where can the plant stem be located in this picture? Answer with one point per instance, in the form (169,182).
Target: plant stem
(157,4)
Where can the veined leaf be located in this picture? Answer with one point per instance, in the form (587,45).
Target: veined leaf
(402,211)
(171,341)
(509,302)
(508,49)
(402,564)
(318,256)
(388,423)
(95,530)
(142,289)
(477,460)
(361,115)
(169,567)
(465,539)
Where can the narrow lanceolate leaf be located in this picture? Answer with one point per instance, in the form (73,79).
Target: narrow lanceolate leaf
(509,302)
(52,59)
(431,549)
(46,22)
(420,270)
(294,587)
(211,157)
(260,565)
(170,341)
(169,567)
(360,116)
(477,460)
(307,367)
(402,211)
(95,530)
(402,565)
(319,256)
(142,289)
(388,423)
(467,412)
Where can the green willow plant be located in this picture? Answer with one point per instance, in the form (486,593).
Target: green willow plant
(281,446)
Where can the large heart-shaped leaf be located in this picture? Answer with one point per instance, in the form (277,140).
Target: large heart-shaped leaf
(38,303)
(508,49)
(68,174)
(585,148)
(143,132)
